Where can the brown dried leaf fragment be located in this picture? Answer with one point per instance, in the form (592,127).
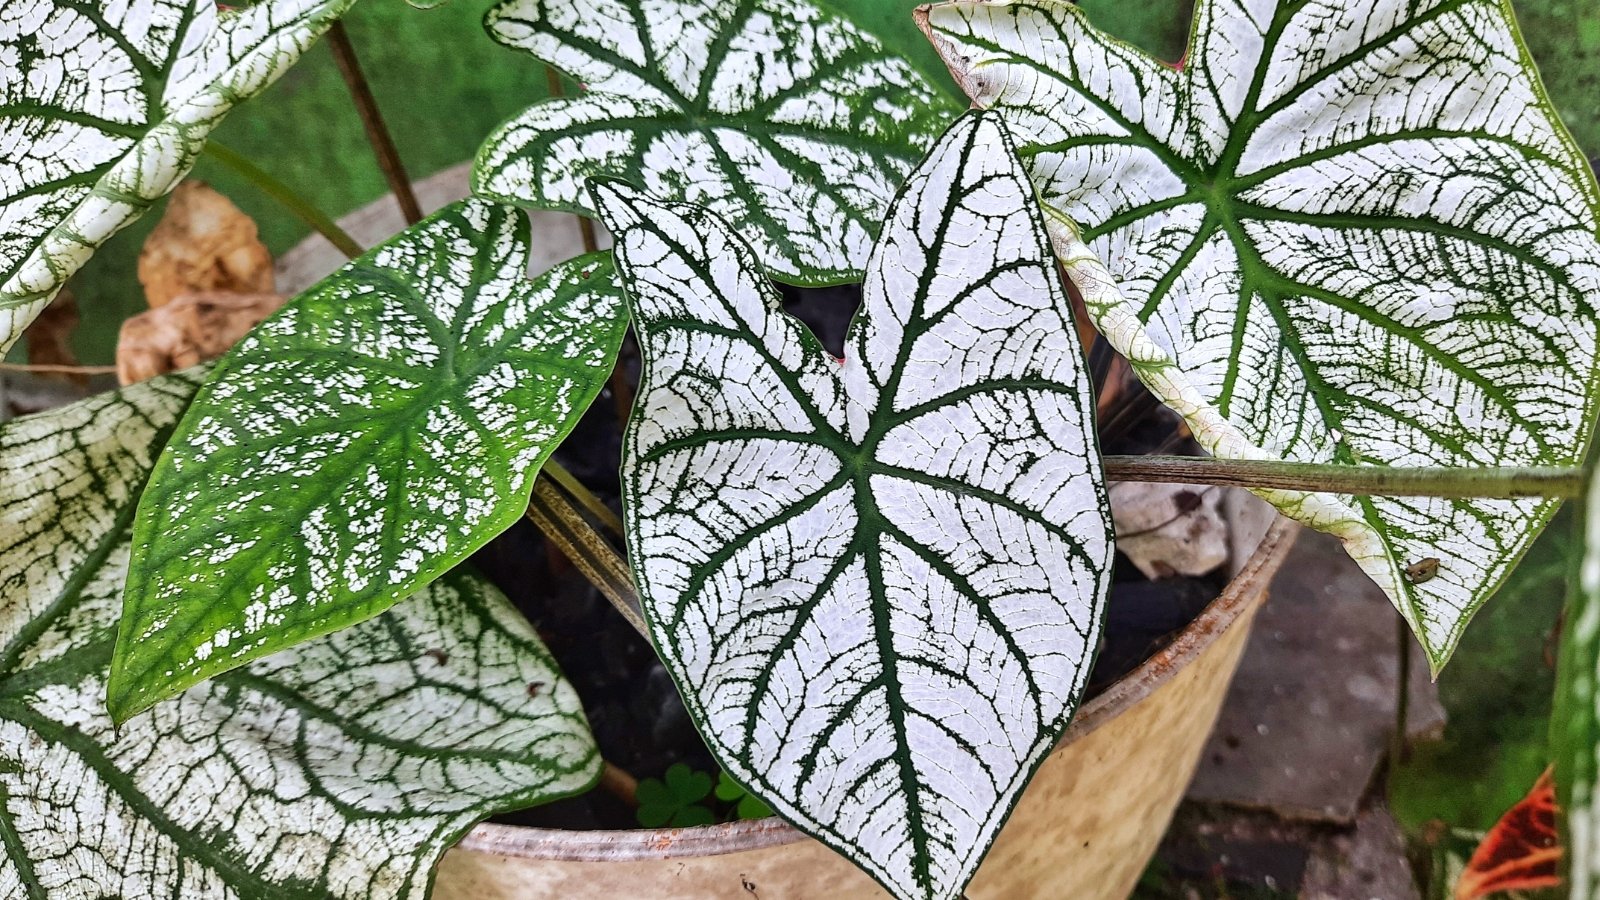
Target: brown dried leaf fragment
(190,329)
(203,243)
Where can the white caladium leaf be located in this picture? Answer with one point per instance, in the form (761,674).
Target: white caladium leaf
(878,582)
(105,106)
(342,768)
(778,115)
(364,439)
(1345,231)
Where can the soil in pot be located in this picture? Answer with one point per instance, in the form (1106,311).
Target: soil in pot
(633,707)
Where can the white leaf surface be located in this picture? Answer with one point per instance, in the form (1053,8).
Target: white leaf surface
(878,582)
(1344,231)
(105,106)
(779,115)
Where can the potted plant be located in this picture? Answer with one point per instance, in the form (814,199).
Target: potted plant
(1351,245)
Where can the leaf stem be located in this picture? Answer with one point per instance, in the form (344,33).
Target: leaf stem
(286,196)
(589,501)
(56,369)
(587,549)
(383,147)
(620,783)
(1537,481)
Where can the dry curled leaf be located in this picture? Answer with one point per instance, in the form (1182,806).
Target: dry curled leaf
(190,329)
(203,243)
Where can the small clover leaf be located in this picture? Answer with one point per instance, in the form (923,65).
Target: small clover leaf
(675,801)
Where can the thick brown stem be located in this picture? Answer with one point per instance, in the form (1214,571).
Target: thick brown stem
(394,172)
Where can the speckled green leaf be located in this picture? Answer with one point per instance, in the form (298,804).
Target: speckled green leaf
(1347,231)
(367,437)
(877,581)
(780,116)
(103,108)
(339,769)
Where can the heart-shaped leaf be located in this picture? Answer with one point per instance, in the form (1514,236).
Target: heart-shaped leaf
(780,116)
(367,437)
(343,768)
(1347,231)
(878,582)
(105,106)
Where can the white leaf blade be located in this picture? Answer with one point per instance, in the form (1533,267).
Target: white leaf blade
(777,114)
(877,582)
(341,769)
(1391,179)
(128,115)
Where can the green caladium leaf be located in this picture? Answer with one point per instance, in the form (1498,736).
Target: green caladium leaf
(342,768)
(878,582)
(780,116)
(366,438)
(103,109)
(1344,231)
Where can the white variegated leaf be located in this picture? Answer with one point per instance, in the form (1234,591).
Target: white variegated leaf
(780,116)
(877,582)
(1346,231)
(103,108)
(363,440)
(340,769)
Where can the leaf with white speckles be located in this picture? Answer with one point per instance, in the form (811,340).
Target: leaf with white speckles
(1346,231)
(341,769)
(103,108)
(778,115)
(878,583)
(367,437)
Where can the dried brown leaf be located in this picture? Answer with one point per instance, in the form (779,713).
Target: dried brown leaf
(203,244)
(190,329)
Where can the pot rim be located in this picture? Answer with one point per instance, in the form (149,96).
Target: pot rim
(753,834)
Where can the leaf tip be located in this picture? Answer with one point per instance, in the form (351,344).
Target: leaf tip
(616,202)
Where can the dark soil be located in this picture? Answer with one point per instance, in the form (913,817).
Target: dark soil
(638,719)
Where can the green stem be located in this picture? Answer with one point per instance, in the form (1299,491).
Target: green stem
(286,196)
(1544,481)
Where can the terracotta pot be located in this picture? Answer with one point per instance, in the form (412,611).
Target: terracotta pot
(1084,829)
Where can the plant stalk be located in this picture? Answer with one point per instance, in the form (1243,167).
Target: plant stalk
(394,171)
(1347,479)
(286,197)
(569,483)
(620,784)
(566,528)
